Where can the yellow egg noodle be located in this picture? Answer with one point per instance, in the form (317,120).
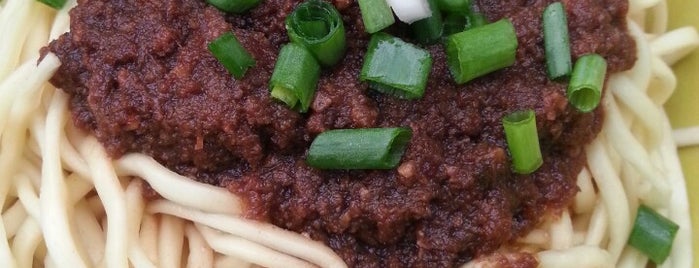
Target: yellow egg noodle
(66,204)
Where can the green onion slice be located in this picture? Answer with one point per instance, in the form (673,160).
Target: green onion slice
(454,6)
(557,42)
(586,82)
(653,234)
(523,141)
(56,4)
(231,54)
(454,23)
(295,77)
(395,67)
(429,30)
(317,25)
(233,6)
(459,22)
(376,15)
(481,50)
(476,19)
(369,148)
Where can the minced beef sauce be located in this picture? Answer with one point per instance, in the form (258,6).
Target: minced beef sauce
(141,79)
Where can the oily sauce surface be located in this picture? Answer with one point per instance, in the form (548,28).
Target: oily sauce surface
(142,80)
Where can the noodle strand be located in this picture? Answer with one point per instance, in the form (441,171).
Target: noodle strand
(265,234)
(55,212)
(200,253)
(113,198)
(611,190)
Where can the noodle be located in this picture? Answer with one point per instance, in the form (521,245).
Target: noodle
(612,195)
(686,136)
(26,242)
(113,198)
(65,203)
(667,47)
(200,253)
(149,236)
(135,206)
(265,234)
(185,191)
(170,242)
(247,251)
(582,256)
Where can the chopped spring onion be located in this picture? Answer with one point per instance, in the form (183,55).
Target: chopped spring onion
(481,50)
(395,67)
(370,148)
(231,54)
(295,77)
(557,42)
(233,6)
(454,6)
(56,4)
(523,141)
(429,30)
(376,15)
(476,19)
(586,82)
(454,23)
(317,25)
(653,234)
(410,11)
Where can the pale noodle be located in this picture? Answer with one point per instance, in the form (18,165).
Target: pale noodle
(65,203)
(686,136)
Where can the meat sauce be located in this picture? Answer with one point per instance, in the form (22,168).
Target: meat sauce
(141,79)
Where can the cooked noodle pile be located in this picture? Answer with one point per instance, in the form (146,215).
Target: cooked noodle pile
(65,203)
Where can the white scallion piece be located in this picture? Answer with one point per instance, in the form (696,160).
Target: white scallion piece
(410,11)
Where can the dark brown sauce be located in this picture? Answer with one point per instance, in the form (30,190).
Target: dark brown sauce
(141,80)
